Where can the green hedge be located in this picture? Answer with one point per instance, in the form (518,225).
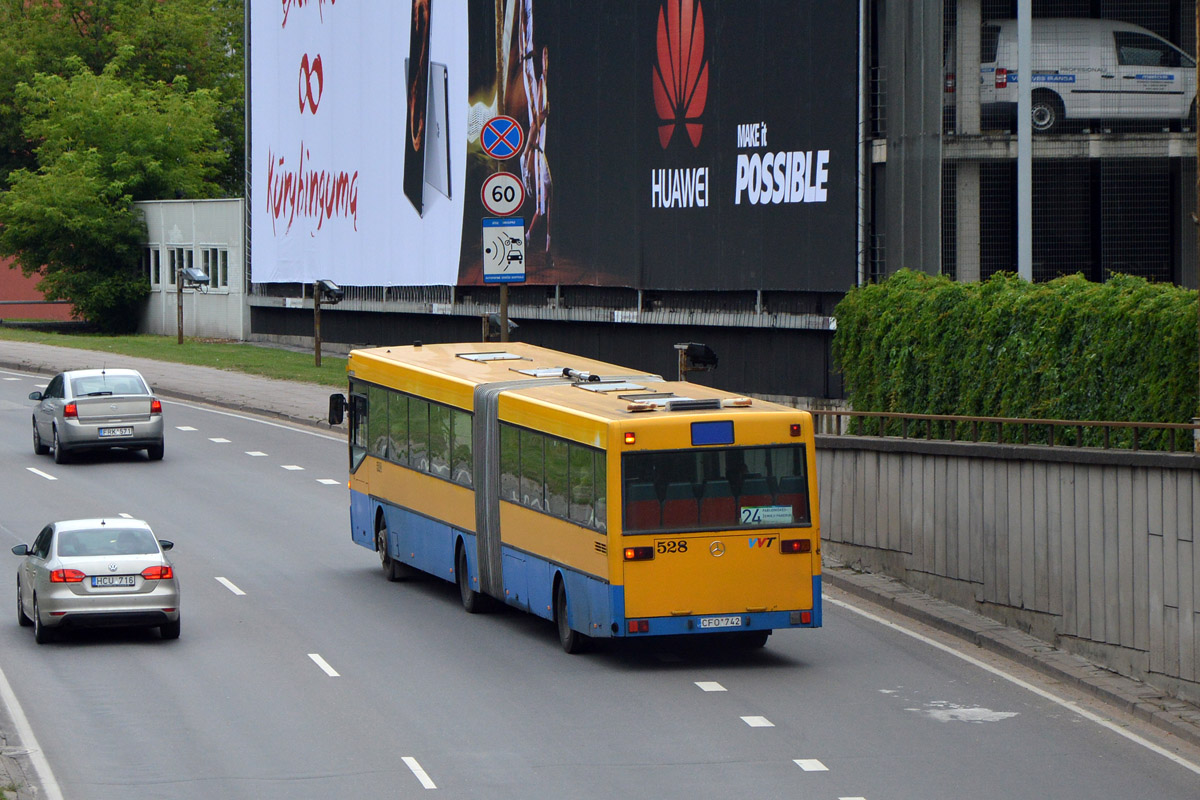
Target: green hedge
(1068,349)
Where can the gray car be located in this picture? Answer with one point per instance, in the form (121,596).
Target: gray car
(89,573)
(91,409)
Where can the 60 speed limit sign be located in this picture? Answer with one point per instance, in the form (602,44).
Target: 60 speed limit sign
(503,194)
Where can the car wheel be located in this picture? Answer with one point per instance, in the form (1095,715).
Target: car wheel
(41,634)
(572,641)
(472,601)
(1047,113)
(39,447)
(22,618)
(60,452)
(169,630)
(155,451)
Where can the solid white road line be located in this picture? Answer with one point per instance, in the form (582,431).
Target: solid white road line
(37,758)
(810,765)
(710,686)
(758,722)
(1067,704)
(37,471)
(324,665)
(228,584)
(421,774)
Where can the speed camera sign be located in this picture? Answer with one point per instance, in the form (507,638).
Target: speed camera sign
(503,194)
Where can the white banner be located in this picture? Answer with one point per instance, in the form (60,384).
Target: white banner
(329,123)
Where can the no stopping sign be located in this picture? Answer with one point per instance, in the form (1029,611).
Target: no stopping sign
(503,193)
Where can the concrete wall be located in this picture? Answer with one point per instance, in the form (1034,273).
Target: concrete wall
(194,228)
(1093,551)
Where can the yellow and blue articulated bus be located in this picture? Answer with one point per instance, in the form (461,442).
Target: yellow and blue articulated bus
(611,502)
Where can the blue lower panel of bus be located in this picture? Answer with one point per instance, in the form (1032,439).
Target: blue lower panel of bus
(593,606)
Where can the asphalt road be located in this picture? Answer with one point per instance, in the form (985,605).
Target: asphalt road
(301,672)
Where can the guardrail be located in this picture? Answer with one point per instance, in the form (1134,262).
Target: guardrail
(1103,435)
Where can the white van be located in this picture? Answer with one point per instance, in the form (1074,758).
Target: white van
(1087,69)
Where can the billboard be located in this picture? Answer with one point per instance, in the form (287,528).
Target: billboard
(671,144)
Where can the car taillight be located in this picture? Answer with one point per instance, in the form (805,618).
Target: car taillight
(158,573)
(155,406)
(66,576)
(951,80)
(1001,78)
(639,553)
(70,411)
(795,546)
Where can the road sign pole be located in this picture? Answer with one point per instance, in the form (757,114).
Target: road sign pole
(504,312)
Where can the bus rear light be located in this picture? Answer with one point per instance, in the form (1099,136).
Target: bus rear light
(800,617)
(639,626)
(795,546)
(71,411)
(796,429)
(155,406)
(630,438)
(639,553)
(66,576)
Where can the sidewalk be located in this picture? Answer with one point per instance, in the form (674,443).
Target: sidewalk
(307,404)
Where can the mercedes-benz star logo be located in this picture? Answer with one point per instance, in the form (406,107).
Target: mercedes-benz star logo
(717,549)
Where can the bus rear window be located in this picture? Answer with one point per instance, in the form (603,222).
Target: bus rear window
(715,488)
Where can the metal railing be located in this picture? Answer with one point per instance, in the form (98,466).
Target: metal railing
(1104,435)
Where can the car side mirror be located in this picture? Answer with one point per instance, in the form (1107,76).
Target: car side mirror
(337,408)
(35,395)
(165,544)
(21,550)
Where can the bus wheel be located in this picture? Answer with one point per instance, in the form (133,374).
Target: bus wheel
(472,601)
(572,641)
(393,570)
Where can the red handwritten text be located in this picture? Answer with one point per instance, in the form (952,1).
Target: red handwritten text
(309,193)
(288,5)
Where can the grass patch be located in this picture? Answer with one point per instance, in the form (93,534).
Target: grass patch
(269,362)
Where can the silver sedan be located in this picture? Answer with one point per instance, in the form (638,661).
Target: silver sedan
(97,409)
(89,573)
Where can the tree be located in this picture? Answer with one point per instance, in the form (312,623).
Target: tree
(103,141)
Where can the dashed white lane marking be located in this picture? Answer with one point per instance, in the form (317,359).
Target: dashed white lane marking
(1067,704)
(45,475)
(324,665)
(12,379)
(758,722)
(328,481)
(184,428)
(710,686)
(810,765)
(421,774)
(123,515)
(291,467)
(255,453)
(852,798)
(228,584)
(218,440)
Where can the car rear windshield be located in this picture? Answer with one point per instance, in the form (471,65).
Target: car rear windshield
(106,542)
(715,488)
(107,384)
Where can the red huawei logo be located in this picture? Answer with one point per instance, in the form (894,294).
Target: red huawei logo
(681,72)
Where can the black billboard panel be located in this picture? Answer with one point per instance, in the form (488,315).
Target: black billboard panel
(676,144)
(417,96)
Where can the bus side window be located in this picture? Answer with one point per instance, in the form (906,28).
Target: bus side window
(556,476)
(510,463)
(377,422)
(439,440)
(418,434)
(358,430)
(601,491)
(582,480)
(460,446)
(398,427)
(533,471)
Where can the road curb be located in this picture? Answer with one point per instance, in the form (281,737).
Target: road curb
(1144,701)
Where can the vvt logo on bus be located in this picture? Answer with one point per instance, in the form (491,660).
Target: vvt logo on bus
(761,541)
